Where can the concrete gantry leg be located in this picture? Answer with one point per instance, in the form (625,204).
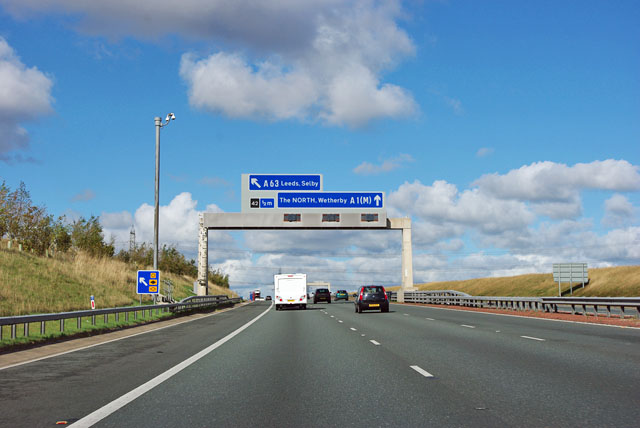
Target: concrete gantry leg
(407,255)
(203,258)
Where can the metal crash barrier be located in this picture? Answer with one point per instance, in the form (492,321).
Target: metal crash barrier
(187,304)
(574,305)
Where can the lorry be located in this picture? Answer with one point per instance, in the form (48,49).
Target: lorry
(290,290)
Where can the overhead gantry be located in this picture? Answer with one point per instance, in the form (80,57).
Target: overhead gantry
(303,221)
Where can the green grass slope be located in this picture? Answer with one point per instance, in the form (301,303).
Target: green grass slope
(619,281)
(30,284)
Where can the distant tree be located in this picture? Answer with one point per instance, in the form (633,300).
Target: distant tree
(4,208)
(217,277)
(61,236)
(87,235)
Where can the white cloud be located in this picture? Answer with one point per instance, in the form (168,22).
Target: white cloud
(319,60)
(25,95)
(455,105)
(619,211)
(484,151)
(178,225)
(550,181)
(366,168)
(85,195)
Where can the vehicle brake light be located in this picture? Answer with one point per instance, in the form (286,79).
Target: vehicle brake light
(385,294)
(360,296)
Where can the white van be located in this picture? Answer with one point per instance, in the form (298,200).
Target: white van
(290,290)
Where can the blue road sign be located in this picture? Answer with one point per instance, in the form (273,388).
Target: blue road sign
(309,182)
(148,282)
(331,200)
(267,203)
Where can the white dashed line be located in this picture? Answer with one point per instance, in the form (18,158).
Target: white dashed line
(374,342)
(362,335)
(421,371)
(332,316)
(352,329)
(430,319)
(533,338)
(339,320)
(406,315)
(468,326)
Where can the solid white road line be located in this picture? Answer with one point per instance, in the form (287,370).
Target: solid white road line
(353,329)
(374,342)
(468,326)
(118,403)
(533,338)
(116,339)
(421,371)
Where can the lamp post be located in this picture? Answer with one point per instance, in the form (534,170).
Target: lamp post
(156,213)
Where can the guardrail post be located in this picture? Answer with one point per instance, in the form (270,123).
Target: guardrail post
(126,316)
(79,323)
(61,325)
(609,311)
(93,320)
(26,329)
(13,331)
(43,327)
(106,318)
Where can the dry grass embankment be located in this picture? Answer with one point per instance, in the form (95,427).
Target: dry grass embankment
(30,284)
(619,281)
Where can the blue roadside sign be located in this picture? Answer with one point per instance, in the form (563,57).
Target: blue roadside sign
(148,282)
(330,200)
(309,182)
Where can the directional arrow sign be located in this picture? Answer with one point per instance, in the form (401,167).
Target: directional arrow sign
(147,282)
(308,182)
(330,200)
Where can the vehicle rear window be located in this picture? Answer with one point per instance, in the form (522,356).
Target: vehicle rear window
(322,290)
(373,289)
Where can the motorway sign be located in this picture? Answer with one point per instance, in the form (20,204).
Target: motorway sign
(148,281)
(285,182)
(331,200)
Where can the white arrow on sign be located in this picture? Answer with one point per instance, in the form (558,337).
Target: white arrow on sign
(142,281)
(377,198)
(254,181)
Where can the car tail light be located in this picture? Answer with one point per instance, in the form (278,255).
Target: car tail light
(360,296)
(385,294)
(302,298)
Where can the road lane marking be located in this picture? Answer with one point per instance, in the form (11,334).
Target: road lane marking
(430,319)
(332,316)
(468,326)
(531,318)
(33,360)
(362,335)
(127,398)
(374,342)
(339,320)
(353,329)
(422,371)
(406,315)
(533,338)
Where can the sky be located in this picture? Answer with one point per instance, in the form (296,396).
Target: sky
(508,131)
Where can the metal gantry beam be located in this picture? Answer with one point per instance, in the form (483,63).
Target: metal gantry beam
(304,221)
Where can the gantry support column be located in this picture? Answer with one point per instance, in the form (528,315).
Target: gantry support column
(407,255)
(203,258)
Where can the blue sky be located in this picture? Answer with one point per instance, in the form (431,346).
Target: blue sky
(508,131)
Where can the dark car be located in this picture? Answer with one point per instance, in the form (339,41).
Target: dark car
(372,297)
(268,297)
(322,295)
(342,294)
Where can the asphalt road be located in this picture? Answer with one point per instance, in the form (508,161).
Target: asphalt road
(328,366)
